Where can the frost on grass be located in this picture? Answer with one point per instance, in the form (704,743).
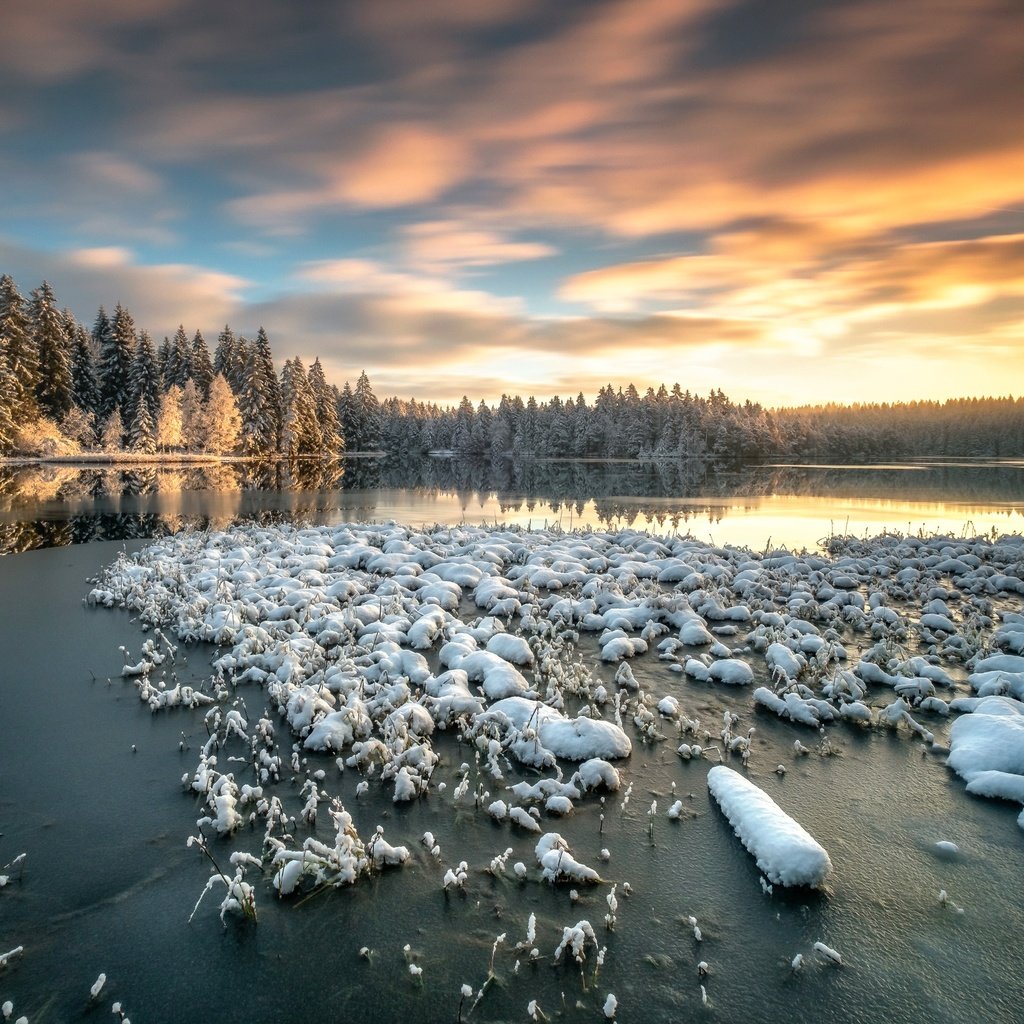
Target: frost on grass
(367,643)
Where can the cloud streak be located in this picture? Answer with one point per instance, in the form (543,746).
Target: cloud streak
(406,186)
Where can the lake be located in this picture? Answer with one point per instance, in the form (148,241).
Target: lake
(92,787)
(755,506)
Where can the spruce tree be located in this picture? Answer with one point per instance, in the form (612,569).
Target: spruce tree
(345,404)
(366,415)
(49,329)
(230,358)
(201,366)
(259,400)
(163,355)
(117,347)
(179,360)
(300,432)
(7,401)
(142,432)
(19,347)
(224,353)
(144,397)
(332,442)
(85,391)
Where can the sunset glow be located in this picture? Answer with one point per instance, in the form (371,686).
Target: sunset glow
(796,203)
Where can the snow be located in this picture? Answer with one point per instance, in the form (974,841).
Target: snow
(990,738)
(575,739)
(557,862)
(731,671)
(538,659)
(784,851)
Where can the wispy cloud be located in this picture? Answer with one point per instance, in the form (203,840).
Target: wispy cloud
(780,182)
(159,297)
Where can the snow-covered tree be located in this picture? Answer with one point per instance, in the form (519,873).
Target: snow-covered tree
(80,426)
(201,366)
(112,432)
(332,442)
(144,397)
(49,330)
(85,390)
(300,432)
(192,425)
(360,416)
(142,432)
(221,420)
(169,422)
(346,414)
(7,404)
(177,368)
(20,350)
(116,348)
(230,358)
(259,400)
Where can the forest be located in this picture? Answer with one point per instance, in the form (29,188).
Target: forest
(66,389)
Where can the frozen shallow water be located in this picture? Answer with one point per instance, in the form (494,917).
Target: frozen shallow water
(109,883)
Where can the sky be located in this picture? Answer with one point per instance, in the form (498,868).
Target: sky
(796,201)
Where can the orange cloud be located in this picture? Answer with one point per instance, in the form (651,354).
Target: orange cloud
(401,165)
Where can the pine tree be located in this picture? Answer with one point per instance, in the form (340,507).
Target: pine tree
(345,404)
(144,397)
(7,402)
(366,414)
(332,442)
(201,366)
(300,432)
(20,350)
(230,358)
(85,391)
(142,432)
(117,347)
(179,360)
(49,330)
(221,420)
(260,401)
(163,356)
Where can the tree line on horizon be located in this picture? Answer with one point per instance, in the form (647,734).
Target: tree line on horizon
(65,388)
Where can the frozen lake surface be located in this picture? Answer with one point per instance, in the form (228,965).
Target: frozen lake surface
(93,795)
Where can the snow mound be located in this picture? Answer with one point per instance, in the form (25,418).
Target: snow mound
(783,849)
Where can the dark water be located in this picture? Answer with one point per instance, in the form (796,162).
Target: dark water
(109,884)
(755,506)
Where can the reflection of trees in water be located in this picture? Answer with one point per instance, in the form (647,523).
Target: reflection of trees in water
(52,505)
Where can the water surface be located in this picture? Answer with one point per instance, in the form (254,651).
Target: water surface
(91,792)
(755,506)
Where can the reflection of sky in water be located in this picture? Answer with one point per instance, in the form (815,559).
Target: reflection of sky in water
(781,520)
(791,506)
